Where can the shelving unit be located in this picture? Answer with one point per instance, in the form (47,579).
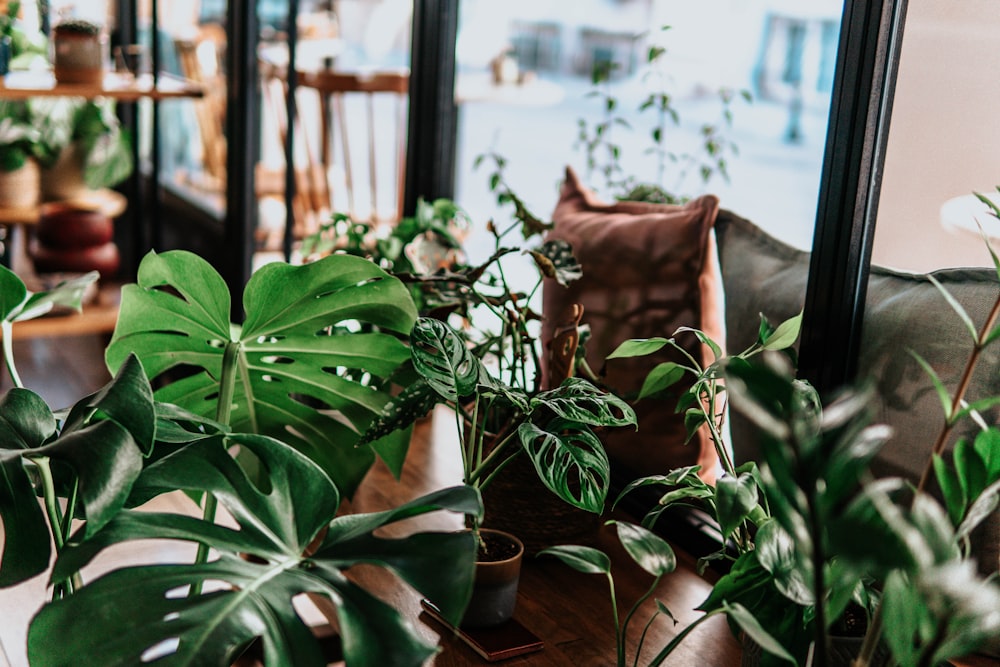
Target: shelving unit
(100,314)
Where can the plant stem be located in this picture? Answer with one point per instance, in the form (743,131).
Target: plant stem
(619,630)
(819,585)
(631,612)
(675,642)
(223,411)
(43,465)
(963,386)
(6,329)
(872,635)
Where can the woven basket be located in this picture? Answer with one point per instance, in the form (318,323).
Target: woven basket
(19,188)
(517,502)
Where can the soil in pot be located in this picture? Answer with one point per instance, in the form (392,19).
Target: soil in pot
(498,571)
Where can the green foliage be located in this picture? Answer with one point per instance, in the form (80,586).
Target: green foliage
(647,550)
(603,150)
(140,606)
(95,465)
(299,368)
(553,427)
(429,242)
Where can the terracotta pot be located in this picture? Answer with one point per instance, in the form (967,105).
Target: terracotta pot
(494,594)
(62,226)
(77,57)
(71,240)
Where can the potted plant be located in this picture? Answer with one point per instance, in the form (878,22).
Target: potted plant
(78,52)
(121,447)
(19,153)
(486,369)
(83,146)
(813,538)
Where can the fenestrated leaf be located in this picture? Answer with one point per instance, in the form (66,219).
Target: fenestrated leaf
(559,253)
(295,377)
(650,551)
(578,400)
(570,460)
(581,558)
(443,359)
(138,611)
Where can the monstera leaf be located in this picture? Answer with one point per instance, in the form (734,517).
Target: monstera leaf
(137,613)
(100,447)
(290,374)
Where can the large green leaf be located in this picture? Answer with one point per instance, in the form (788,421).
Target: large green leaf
(578,400)
(294,377)
(136,612)
(735,498)
(581,558)
(101,443)
(570,460)
(443,359)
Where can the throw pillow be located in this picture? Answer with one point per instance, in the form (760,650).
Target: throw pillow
(647,270)
(903,312)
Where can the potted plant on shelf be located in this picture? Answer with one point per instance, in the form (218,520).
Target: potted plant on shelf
(19,153)
(98,465)
(815,541)
(83,145)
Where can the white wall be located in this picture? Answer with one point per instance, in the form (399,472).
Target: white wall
(944,138)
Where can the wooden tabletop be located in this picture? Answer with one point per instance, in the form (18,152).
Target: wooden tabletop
(569,611)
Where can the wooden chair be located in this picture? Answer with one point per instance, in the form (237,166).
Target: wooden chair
(201,61)
(349,144)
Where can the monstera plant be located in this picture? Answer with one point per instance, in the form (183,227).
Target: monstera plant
(99,467)
(308,365)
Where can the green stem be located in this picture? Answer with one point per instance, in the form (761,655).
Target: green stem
(6,330)
(819,584)
(631,612)
(870,643)
(67,519)
(619,630)
(675,642)
(498,451)
(963,385)
(223,411)
(642,637)
(43,465)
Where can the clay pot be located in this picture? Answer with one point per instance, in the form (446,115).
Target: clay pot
(78,57)
(73,240)
(494,594)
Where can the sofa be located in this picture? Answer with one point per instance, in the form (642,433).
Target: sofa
(651,268)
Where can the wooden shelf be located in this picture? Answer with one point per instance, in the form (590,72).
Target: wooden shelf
(25,84)
(97,317)
(106,201)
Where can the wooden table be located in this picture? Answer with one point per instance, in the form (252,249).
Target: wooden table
(568,610)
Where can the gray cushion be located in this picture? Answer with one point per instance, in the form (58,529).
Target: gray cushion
(903,312)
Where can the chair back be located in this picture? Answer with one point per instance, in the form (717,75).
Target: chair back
(349,144)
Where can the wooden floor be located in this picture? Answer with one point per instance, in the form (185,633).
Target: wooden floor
(61,370)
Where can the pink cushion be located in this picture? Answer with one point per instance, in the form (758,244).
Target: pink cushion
(647,270)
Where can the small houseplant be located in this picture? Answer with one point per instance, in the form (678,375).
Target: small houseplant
(482,360)
(121,447)
(19,153)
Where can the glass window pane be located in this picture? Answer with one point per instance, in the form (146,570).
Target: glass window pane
(525,91)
